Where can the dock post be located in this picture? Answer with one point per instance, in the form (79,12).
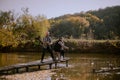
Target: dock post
(66,63)
(13,71)
(27,69)
(38,66)
(17,70)
(7,71)
(55,65)
(50,66)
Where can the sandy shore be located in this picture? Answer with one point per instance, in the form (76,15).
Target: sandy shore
(37,75)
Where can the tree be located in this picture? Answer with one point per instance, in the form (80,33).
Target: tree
(71,26)
(94,22)
(29,27)
(6,34)
(21,29)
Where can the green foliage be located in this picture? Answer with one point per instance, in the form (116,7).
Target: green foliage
(111,22)
(101,24)
(74,26)
(41,25)
(16,30)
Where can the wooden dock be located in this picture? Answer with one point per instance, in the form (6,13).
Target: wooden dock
(15,68)
(103,70)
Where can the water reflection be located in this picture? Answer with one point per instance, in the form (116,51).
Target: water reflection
(81,65)
(84,65)
(7,59)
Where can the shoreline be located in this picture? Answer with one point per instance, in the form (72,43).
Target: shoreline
(75,45)
(36,75)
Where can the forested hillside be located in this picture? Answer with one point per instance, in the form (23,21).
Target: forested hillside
(19,31)
(99,24)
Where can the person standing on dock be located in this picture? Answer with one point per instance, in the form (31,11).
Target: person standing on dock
(63,47)
(47,42)
(59,48)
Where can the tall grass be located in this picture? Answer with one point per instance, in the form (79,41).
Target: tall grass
(78,45)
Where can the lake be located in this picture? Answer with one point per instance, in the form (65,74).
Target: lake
(81,65)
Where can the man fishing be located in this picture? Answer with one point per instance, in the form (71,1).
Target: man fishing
(47,42)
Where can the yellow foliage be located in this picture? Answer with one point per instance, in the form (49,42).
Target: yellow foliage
(6,37)
(79,20)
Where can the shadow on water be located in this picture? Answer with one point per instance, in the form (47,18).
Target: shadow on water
(81,66)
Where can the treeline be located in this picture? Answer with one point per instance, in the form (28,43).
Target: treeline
(16,30)
(19,31)
(100,24)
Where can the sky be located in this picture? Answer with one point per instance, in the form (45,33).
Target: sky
(55,8)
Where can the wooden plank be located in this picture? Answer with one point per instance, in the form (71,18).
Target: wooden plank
(6,68)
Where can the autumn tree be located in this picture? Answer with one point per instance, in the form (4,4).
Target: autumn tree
(71,26)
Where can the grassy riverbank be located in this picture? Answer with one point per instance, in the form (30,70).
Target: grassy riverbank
(75,45)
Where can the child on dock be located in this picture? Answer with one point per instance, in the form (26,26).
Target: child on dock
(59,48)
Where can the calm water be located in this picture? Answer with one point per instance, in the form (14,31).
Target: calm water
(80,65)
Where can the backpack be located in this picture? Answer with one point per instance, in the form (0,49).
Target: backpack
(57,46)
